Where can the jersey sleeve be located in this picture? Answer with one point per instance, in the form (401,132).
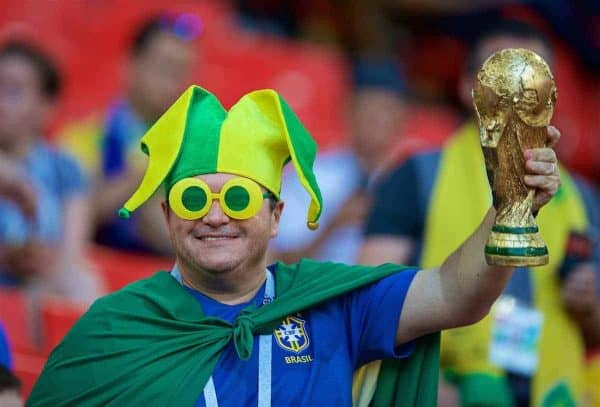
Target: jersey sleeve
(395,205)
(373,313)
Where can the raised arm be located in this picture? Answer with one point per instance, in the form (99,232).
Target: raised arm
(463,289)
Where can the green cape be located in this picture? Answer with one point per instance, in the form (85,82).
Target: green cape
(151,344)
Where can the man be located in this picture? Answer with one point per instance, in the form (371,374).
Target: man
(346,174)
(162,58)
(43,239)
(222,328)
(422,230)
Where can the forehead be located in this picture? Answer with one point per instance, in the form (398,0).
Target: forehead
(166,44)
(17,68)
(217,180)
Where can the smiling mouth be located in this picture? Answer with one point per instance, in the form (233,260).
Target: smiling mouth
(215,238)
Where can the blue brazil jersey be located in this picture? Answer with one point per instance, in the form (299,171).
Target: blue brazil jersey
(314,353)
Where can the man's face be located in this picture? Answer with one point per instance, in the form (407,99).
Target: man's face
(160,72)
(217,243)
(23,107)
(376,116)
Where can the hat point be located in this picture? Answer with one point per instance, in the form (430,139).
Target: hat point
(124,213)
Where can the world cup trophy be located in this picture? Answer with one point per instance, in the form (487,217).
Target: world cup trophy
(514,97)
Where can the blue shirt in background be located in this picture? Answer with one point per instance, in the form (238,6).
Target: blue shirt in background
(56,178)
(122,134)
(315,364)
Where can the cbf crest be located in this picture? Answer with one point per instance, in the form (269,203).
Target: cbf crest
(291,334)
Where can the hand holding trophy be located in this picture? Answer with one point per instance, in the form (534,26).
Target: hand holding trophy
(514,97)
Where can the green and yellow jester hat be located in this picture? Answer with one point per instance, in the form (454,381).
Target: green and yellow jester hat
(255,140)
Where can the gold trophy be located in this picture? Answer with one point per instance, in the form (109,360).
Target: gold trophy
(514,97)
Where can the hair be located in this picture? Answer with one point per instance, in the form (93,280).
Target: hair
(146,34)
(8,381)
(185,26)
(272,202)
(46,69)
(506,28)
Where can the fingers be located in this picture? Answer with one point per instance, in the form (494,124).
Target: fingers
(553,136)
(541,154)
(540,167)
(545,183)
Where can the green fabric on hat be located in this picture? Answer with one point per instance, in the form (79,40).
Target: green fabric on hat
(254,139)
(304,151)
(150,344)
(198,153)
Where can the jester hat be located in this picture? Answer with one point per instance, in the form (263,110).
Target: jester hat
(254,139)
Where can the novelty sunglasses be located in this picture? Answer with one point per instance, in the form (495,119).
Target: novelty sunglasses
(240,198)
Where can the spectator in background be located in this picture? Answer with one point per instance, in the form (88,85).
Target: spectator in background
(43,249)
(409,223)
(161,61)
(346,173)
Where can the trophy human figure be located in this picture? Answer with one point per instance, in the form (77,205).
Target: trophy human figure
(514,97)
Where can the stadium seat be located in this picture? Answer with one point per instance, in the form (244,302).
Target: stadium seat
(14,317)
(28,366)
(57,317)
(120,268)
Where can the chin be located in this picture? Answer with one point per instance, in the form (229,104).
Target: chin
(216,264)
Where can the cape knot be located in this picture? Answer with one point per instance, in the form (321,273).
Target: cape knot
(243,338)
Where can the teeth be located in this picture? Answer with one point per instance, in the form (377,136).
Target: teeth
(215,238)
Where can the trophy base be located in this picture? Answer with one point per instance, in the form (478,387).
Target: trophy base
(516,261)
(510,246)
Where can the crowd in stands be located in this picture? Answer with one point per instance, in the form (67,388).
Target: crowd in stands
(394,118)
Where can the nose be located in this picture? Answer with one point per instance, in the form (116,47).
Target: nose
(215,216)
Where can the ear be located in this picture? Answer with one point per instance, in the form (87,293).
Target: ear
(275,218)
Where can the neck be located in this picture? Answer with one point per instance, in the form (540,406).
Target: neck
(138,107)
(228,287)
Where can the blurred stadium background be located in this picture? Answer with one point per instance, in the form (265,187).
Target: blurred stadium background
(305,50)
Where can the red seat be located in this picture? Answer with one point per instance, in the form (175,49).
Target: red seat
(120,268)
(14,317)
(58,316)
(28,366)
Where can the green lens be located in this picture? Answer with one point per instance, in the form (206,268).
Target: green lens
(237,198)
(193,198)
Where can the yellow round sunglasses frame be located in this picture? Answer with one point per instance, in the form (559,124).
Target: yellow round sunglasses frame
(255,198)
